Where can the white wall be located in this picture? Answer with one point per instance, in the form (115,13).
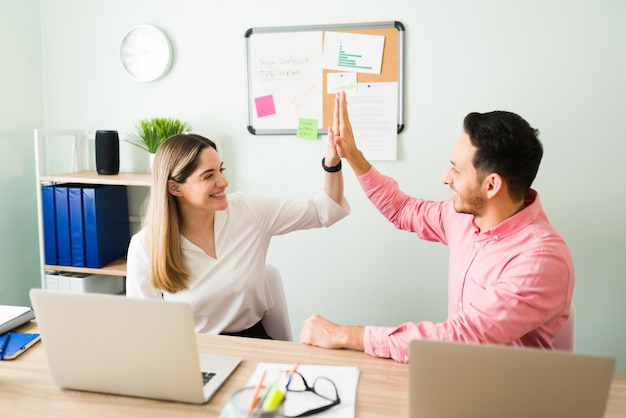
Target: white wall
(21,109)
(560,64)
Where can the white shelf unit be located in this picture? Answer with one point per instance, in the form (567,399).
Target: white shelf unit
(77,172)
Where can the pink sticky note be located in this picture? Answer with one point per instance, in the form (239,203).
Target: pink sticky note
(265,106)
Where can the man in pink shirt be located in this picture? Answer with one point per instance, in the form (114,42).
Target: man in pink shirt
(511,275)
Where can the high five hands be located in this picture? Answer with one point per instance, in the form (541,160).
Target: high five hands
(341,136)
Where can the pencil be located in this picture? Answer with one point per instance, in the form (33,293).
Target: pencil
(257,390)
(293,369)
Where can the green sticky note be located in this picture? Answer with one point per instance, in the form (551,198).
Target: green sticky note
(307,128)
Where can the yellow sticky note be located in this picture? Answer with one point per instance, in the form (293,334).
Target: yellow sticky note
(307,128)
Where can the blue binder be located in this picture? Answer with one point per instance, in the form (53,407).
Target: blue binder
(61,203)
(77,240)
(107,230)
(49,225)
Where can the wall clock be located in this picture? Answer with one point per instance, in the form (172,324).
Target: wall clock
(146,53)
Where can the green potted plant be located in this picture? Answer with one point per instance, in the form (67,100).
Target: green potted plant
(150,133)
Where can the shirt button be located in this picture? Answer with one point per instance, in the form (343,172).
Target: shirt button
(406,358)
(377,352)
(495,237)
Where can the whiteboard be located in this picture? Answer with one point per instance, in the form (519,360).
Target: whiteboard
(287,77)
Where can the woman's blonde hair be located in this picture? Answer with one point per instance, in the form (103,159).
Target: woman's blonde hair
(176,159)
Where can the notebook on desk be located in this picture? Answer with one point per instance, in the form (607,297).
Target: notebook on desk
(133,347)
(487,381)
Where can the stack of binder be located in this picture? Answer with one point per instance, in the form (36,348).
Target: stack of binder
(84,283)
(85,225)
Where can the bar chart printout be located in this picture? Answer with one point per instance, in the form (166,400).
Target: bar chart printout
(345,51)
(346,60)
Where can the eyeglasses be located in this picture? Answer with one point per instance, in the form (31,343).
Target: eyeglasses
(323,387)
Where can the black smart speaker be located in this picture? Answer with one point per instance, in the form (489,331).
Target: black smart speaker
(107,152)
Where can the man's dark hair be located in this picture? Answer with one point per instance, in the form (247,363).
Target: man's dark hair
(507,145)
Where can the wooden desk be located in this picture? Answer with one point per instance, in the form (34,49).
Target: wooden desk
(26,388)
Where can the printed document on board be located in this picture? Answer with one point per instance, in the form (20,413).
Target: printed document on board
(373,112)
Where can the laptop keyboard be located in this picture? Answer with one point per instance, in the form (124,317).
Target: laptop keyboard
(206,376)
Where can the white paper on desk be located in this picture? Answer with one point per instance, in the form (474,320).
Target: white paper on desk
(346,378)
(373,112)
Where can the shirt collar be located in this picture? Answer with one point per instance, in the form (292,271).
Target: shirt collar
(532,210)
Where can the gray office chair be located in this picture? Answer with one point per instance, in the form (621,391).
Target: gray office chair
(564,339)
(276,322)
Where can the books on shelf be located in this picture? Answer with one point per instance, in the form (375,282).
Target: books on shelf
(49,225)
(62,216)
(77,230)
(91,224)
(107,230)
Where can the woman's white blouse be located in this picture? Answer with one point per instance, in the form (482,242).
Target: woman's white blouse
(230,293)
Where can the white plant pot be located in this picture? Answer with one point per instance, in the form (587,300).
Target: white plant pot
(151,156)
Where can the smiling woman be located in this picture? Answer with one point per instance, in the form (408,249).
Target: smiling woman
(208,248)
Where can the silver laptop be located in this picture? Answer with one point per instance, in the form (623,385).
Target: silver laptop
(133,347)
(452,380)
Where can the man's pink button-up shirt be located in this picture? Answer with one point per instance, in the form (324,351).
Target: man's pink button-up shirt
(511,284)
